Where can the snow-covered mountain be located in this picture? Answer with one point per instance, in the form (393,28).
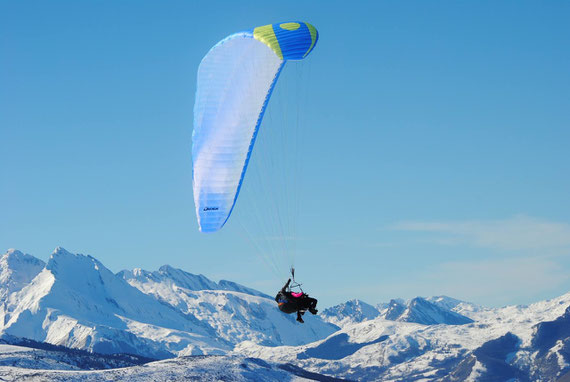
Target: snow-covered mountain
(394,310)
(17,270)
(350,312)
(76,302)
(501,344)
(431,311)
(458,306)
(422,311)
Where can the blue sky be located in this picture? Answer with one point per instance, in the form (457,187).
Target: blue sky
(437,132)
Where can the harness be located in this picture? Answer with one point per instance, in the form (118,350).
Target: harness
(295,284)
(289,299)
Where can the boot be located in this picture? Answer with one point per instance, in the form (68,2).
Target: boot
(300,319)
(313,310)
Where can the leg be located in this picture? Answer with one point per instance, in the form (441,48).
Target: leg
(312,305)
(299,318)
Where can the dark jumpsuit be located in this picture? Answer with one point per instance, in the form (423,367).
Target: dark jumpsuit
(290,304)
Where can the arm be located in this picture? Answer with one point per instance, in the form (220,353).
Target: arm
(286,286)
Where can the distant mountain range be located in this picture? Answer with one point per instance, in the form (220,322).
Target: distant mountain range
(432,311)
(74,301)
(436,339)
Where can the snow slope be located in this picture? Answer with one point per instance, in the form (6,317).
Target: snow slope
(189,368)
(236,313)
(34,355)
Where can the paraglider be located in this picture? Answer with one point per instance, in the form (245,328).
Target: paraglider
(295,302)
(236,79)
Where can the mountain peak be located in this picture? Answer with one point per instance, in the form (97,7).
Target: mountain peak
(13,252)
(16,270)
(446,302)
(395,309)
(452,304)
(167,268)
(352,311)
(14,256)
(66,264)
(422,311)
(61,251)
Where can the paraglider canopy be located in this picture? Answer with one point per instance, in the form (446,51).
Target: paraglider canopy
(235,82)
(289,41)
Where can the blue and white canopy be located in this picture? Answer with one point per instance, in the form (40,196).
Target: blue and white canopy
(235,82)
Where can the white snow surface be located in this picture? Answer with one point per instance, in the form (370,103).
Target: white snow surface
(234,316)
(47,367)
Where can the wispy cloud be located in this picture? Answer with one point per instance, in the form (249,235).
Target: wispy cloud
(519,259)
(499,281)
(516,233)
(492,282)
